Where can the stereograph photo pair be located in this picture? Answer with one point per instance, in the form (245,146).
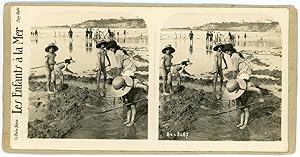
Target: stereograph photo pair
(149,78)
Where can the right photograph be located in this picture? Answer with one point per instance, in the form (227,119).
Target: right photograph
(220,77)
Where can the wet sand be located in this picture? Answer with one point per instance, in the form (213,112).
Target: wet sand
(77,112)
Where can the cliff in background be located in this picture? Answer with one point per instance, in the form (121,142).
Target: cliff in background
(237,26)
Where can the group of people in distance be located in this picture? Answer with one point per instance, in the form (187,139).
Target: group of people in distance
(239,88)
(124,85)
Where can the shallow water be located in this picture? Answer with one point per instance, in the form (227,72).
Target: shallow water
(82,51)
(203,59)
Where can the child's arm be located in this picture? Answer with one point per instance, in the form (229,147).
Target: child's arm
(258,91)
(142,86)
(226,66)
(68,70)
(109,64)
(47,62)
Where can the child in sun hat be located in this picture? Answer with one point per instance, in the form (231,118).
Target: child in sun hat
(166,68)
(218,69)
(101,67)
(57,73)
(49,63)
(245,94)
(131,90)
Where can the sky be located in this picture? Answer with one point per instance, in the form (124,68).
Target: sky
(73,16)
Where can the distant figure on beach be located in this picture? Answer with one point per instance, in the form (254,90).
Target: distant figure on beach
(70,33)
(36,33)
(244,93)
(241,67)
(91,34)
(101,67)
(245,36)
(166,68)
(131,90)
(49,63)
(124,33)
(57,73)
(178,69)
(191,35)
(218,69)
(125,65)
(207,36)
(87,33)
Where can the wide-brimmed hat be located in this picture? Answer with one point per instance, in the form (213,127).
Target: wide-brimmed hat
(102,42)
(228,47)
(218,46)
(187,61)
(121,85)
(51,45)
(234,89)
(168,47)
(70,59)
(111,44)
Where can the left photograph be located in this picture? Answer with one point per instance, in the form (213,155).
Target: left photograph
(88,76)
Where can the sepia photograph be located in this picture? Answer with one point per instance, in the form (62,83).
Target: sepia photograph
(149,78)
(88,76)
(220,78)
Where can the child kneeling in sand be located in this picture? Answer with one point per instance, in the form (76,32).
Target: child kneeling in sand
(178,69)
(131,90)
(245,93)
(57,73)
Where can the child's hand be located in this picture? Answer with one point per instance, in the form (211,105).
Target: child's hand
(261,100)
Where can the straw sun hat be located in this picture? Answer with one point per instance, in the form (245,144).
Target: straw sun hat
(234,89)
(121,85)
(168,47)
(51,45)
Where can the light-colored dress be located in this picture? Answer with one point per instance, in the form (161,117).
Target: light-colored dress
(242,66)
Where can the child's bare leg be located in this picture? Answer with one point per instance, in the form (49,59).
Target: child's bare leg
(221,81)
(215,81)
(98,78)
(133,112)
(170,83)
(128,115)
(104,79)
(246,111)
(165,84)
(48,82)
(54,86)
(242,119)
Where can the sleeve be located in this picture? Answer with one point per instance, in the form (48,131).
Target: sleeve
(136,82)
(119,58)
(235,61)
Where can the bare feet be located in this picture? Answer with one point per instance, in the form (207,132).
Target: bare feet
(243,127)
(241,124)
(166,94)
(130,124)
(126,122)
(50,92)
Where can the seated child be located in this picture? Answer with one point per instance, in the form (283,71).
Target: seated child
(244,93)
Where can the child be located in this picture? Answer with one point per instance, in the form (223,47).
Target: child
(102,53)
(131,91)
(166,68)
(245,93)
(218,70)
(178,69)
(57,73)
(49,63)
